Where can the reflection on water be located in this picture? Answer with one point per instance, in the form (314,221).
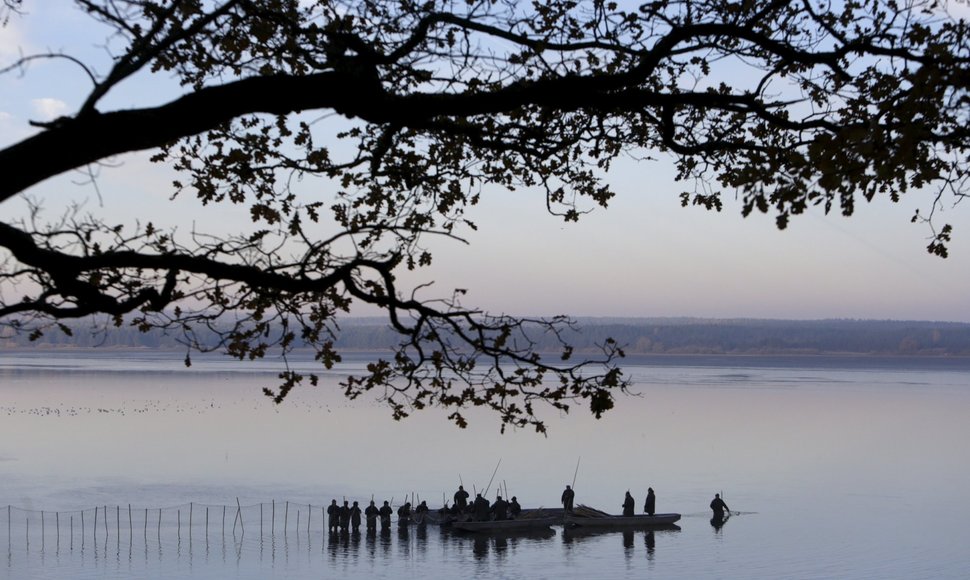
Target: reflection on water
(305,554)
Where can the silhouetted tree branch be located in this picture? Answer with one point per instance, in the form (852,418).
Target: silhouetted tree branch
(785,104)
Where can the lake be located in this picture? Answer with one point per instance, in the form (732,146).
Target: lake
(841,467)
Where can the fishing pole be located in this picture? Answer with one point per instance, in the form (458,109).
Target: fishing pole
(575,473)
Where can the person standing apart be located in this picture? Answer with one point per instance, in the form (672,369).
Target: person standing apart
(719,507)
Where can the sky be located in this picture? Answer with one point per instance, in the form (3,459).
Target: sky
(645,256)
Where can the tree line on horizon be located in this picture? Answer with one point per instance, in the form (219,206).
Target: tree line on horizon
(635,336)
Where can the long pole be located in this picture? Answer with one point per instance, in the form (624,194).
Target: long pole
(485,493)
(575,473)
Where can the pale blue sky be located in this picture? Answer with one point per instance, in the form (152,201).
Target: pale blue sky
(645,256)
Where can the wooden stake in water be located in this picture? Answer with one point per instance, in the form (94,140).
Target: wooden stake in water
(94,534)
(286,518)
(146,524)
(191,506)
(159,525)
(309,511)
(242,527)
(178,523)
(272,530)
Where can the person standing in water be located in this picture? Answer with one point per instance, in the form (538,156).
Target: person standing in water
(719,507)
(370,513)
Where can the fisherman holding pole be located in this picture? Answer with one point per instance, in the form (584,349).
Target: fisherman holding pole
(568,494)
(567,499)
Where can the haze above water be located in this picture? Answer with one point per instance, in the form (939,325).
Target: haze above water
(843,467)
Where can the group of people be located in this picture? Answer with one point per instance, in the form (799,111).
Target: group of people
(649,505)
(481,509)
(629,504)
(718,507)
(348,517)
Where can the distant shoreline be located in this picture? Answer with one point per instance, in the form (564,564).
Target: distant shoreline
(641,337)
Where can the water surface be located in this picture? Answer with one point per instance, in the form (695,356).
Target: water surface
(848,467)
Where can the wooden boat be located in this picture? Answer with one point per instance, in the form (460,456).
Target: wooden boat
(523,525)
(623,522)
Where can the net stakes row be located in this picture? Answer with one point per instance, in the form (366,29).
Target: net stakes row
(102,517)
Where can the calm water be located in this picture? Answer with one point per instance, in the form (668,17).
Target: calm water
(841,467)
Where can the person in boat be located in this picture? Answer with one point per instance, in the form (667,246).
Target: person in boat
(482,508)
(719,507)
(629,505)
(567,499)
(345,516)
(333,513)
(355,517)
(461,500)
(514,508)
(385,513)
(500,509)
(650,505)
(370,514)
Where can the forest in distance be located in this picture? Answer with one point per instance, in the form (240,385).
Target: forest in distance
(636,336)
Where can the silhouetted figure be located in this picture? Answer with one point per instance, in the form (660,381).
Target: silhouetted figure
(567,499)
(355,517)
(650,504)
(370,514)
(482,508)
(461,500)
(404,514)
(514,508)
(385,512)
(421,513)
(345,516)
(629,505)
(333,513)
(500,509)
(719,507)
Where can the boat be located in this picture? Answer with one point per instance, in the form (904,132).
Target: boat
(522,525)
(622,522)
